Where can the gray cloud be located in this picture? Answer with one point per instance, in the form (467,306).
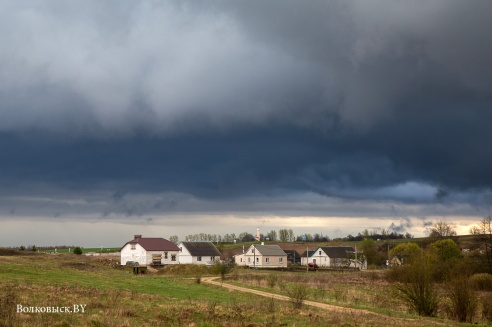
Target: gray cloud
(234,101)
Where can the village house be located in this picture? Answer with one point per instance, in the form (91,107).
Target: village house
(200,253)
(148,251)
(332,256)
(262,256)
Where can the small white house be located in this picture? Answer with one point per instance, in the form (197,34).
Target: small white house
(330,256)
(262,256)
(149,251)
(199,253)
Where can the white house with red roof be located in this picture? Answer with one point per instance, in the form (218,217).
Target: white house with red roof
(148,251)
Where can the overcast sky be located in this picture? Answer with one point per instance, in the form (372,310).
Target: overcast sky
(177,117)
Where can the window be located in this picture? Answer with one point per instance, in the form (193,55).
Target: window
(249,260)
(165,255)
(319,252)
(267,260)
(280,260)
(134,246)
(180,249)
(212,259)
(173,257)
(257,260)
(241,259)
(198,258)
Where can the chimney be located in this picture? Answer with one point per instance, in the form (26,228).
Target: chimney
(138,236)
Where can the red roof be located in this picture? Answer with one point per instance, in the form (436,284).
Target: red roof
(154,244)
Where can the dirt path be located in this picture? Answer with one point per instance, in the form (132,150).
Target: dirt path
(212,280)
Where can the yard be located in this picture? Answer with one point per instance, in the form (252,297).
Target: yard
(115,297)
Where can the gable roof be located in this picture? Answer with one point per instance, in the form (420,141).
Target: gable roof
(201,249)
(270,250)
(310,253)
(337,251)
(153,244)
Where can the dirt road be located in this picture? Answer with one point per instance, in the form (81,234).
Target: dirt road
(213,281)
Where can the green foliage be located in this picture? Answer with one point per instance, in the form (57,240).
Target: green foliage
(408,253)
(77,250)
(368,247)
(221,268)
(34,249)
(417,289)
(22,248)
(445,250)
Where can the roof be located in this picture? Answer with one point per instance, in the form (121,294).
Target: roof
(337,251)
(201,248)
(153,244)
(310,253)
(270,250)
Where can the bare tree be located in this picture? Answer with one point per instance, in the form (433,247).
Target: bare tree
(441,229)
(484,229)
(173,238)
(283,234)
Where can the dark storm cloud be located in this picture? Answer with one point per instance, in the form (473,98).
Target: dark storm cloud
(352,99)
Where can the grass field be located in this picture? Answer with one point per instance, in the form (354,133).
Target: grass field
(115,297)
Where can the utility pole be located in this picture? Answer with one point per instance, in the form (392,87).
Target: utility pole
(307,258)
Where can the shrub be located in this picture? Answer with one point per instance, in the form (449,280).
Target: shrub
(297,294)
(464,302)
(272,280)
(481,282)
(77,250)
(417,289)
(221,268)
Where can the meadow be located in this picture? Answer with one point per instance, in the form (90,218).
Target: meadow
(175,296)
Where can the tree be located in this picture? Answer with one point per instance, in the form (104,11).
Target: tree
(22,248)
(174,238)
(272,235)
(445,250)
(441,230)
(368,247)
(221,268)
(283,234)
(417,289)
(77,250)
(407,252)
(246,237)
(484,229)
(291,235)
(34,249)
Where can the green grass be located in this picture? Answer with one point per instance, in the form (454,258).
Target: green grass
(84,250)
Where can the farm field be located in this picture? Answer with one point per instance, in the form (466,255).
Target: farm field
(174,297)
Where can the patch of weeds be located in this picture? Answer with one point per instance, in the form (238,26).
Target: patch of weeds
(297,294)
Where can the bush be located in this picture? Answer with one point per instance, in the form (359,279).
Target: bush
(481,282)
(77,250)
(297,293)
(464,302)
(417,289)
(221,268)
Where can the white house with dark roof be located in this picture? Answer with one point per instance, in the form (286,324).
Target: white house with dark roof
(331,256)
(262,256)
(199,253)
(149,251)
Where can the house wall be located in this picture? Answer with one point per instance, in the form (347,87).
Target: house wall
(139,255)
(144,257)
(185,257)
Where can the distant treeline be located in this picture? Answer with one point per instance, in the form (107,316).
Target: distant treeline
(287,235)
